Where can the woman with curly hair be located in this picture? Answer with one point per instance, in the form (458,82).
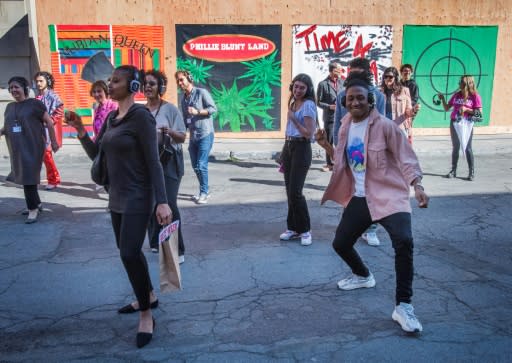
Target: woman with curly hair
(171,135)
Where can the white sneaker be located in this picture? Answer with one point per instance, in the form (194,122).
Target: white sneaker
(154,250)
(371,238)
(196,197)
(356,282)
(181,259)
(305,239)
(404,315)
(203,199)
(288,235)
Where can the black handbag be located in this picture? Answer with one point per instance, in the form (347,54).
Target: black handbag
(165,149)
(99,171)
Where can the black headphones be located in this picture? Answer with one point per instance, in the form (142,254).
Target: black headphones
(371,100)
(48,80)
(134,85)
(189,76)
(162,85)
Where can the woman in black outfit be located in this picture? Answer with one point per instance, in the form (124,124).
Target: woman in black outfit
(128,139)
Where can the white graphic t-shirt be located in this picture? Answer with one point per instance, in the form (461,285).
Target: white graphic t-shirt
(356,154)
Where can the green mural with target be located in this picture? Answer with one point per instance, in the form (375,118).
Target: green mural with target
(440,55)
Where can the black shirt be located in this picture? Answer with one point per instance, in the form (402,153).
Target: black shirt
(134,169)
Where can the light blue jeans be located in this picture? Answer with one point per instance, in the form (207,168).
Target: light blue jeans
(199,151)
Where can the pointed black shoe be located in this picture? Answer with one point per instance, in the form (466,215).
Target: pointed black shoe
(143,339)
(451,174)
(129,309)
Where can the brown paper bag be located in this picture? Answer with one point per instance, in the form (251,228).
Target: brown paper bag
(170,275)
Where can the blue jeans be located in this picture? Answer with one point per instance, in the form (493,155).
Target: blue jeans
(199,151)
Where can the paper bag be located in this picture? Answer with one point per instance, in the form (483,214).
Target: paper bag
(170,275)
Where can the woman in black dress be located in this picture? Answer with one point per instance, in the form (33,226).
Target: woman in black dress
(24,130)
(136,183)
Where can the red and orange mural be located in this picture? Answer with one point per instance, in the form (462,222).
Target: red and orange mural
(82,54)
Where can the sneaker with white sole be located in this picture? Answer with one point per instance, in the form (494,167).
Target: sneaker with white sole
(356,282)
(203,198)
(288,235)
(181,259)
(371,238)
(305,239)
(404,315)
(195,198)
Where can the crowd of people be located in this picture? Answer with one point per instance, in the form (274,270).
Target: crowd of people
(366,134)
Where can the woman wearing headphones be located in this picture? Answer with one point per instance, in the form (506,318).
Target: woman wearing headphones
(171,135)
(24,129)
(136,182)
(44,84)
(297,155)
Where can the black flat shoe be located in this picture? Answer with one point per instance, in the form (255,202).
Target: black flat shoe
(129,309)
(143,339)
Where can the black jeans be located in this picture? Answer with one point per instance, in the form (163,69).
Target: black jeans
(355,220)
(31,196)
(129,230)
(329,133)
(456,149)
(171,188)
(296,158)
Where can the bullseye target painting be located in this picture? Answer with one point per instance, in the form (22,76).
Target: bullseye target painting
(440,55)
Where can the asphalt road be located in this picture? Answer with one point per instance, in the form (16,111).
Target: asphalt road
(249,297)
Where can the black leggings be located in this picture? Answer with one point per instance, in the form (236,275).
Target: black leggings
(31,196)
(130,230)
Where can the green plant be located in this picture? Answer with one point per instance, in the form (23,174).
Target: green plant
(239,107)
(264,73)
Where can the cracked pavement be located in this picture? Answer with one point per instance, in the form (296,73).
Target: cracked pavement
(247,296)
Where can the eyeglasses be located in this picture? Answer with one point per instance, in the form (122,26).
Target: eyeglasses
(150,83)
(389,77)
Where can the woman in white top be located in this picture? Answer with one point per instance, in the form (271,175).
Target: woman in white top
(296,156)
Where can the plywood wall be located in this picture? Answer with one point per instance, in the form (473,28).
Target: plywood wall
(359,12)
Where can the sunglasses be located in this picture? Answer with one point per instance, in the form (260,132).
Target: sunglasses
(389,77)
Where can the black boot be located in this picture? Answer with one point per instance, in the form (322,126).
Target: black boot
(452,174)
(471,175)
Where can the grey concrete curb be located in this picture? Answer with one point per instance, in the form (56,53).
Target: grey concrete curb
(266,149)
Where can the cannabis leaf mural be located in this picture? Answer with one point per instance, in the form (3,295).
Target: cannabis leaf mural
(238,107)
(240,65)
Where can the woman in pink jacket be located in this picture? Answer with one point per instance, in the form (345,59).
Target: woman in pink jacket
(398,101)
